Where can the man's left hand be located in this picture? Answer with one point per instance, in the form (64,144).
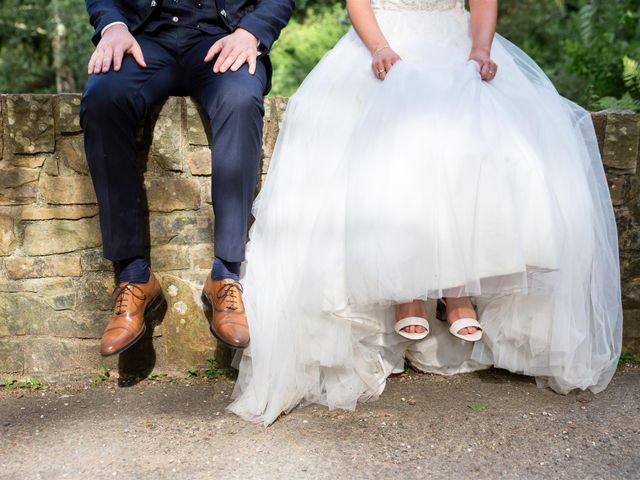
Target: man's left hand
(233,51)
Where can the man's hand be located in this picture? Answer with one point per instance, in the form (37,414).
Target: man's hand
(233,51)
(115,43)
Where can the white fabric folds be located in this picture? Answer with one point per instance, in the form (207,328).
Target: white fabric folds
(430,183)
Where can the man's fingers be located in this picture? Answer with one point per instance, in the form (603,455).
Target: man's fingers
(97,64)
(240,60)
(92,62)
(222,57)
(214,50)
(118,53)
(106,60)
(136,52)
(252,64)
(230,60)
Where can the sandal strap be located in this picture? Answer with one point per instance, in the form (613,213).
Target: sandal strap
(409,321)
(464,323)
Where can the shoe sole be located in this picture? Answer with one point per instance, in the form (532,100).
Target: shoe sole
(153,306)
(208,313)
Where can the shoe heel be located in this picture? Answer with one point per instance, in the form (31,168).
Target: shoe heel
(155,307)
(441,311)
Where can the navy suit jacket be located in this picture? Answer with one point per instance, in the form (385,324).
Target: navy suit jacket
(263,18)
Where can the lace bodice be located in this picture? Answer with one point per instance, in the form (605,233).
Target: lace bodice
(432,5)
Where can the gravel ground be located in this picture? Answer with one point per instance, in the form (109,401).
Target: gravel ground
(484,425)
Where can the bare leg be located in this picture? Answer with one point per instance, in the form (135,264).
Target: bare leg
(417,308)
(460,307)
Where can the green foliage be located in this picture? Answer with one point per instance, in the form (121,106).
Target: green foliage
(478,406)
(29,383)
(303,43)
(40,41)
(102,376)
(581,45)
(628,358)
(589,48)
(212,372)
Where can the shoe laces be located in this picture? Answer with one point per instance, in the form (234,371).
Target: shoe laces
(123,294)
(229,294)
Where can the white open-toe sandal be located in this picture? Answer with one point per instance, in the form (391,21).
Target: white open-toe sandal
(416,322)
(455,327)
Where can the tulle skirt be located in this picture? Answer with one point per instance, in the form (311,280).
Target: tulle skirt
(432,183)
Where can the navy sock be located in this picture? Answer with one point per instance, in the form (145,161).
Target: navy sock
(134,270)
(223,269)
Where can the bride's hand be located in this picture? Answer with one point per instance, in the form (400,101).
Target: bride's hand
(382,61)
(488,67)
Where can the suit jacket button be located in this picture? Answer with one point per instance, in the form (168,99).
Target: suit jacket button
(175,19)
(154,3)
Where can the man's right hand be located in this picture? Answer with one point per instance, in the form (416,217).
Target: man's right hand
(116,42)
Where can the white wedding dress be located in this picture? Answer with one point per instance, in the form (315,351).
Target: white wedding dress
(430,183)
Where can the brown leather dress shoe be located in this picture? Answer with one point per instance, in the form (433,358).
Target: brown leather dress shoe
(127,326)
(224,309)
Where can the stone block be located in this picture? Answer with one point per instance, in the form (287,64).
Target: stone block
(18,186)
(170,257)
(38,267)
(600,125)
(93,261)
(628,229)
(185,328)
(166,145)
(44,355)
(50,166)
(17,177)
(28,161)
(618,188)
(11,356)
(7,235)
(59,293)
(205,192)
(96,293)
(274,113)
(180,227)
(199,159)
(3,109)
(631,292)
(23,314)
(631,325)
(70,152)
(60,236)
(74,212)
(198,128)
(622,135)
(172,193)
(68,190)
(68,113)
(202,256)
(30,123)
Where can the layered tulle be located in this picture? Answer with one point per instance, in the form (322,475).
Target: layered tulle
(430,183)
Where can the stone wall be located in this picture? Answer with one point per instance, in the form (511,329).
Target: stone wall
(54,284)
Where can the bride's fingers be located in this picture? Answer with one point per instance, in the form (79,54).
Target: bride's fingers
(378,70)
(484,70)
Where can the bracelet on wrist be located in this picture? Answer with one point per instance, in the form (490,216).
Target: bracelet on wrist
(380,49)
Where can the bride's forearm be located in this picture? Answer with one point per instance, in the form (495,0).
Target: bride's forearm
(365,24)
(484,16)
